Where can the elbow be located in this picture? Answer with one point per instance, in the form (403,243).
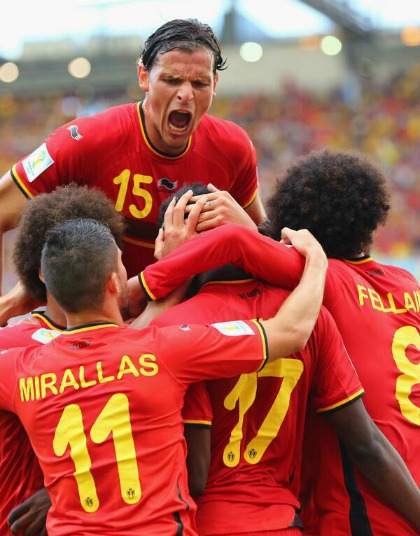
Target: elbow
(368,455)
(300,339)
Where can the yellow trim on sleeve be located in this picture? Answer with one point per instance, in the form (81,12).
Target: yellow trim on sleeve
(19,182)
(249,203)
(342,402)
(264,342)
(198,422)
(145,286)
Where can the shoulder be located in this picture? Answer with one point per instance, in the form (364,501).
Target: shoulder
(109,128)
(400,273)
(224,131)
(103,123)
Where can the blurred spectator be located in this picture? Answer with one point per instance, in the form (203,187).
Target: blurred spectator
(384,122)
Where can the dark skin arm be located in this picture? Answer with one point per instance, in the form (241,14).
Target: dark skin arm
(28,519)
(198,457)
(377,460)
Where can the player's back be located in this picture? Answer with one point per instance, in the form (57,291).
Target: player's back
(20,473)
(377,310)
(258,418)
(102,407)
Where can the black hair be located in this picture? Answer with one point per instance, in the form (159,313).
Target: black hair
(341,197)
(198,188)
(184,34)
(76,260)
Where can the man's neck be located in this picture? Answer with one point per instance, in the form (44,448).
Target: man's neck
(102,316)
(54,312)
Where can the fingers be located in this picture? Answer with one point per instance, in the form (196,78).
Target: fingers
(159,244)
(174,214)
(18,512)
(195,212)
(287,235)
(212,188)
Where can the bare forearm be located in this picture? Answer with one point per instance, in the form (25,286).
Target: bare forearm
(387,473)
(289,330)
(258,255)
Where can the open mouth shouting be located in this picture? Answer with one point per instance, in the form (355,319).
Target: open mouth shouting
(179,121)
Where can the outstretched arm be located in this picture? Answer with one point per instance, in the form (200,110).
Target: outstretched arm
(377,460)
(233,243)
(12,203)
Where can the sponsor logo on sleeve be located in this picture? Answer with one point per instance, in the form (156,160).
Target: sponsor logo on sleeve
(37,162)
(45,336)
(233,329)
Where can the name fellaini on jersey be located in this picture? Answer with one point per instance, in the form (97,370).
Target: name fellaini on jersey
(370,297)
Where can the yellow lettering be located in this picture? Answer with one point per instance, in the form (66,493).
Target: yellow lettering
(68,380)
(393,306)
(26,388)
(101,377)
(408,302)
(126,367)
(83,382)
(375,300)
(37,390)
(48,381)
(363,294)
(148,365)
(417,300)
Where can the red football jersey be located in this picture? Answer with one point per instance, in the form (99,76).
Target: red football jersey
(110,151)
(258,418)
(376,308)
(102,407)
(20,473)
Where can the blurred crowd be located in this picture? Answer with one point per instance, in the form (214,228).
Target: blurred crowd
(380,118)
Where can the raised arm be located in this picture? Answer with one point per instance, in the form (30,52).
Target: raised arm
(233,243)
(12,203)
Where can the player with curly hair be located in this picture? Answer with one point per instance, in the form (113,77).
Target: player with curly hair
(342,197)
(111,442)
(20,474)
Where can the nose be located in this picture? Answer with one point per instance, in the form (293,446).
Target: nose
(185,92)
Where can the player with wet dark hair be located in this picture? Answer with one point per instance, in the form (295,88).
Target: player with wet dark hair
(140,153)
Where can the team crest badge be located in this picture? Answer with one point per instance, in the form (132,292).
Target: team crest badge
(166,184)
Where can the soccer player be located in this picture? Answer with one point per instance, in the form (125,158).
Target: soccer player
(258,419)
(20,474)
(102,402)
(342,198)
(140,153)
